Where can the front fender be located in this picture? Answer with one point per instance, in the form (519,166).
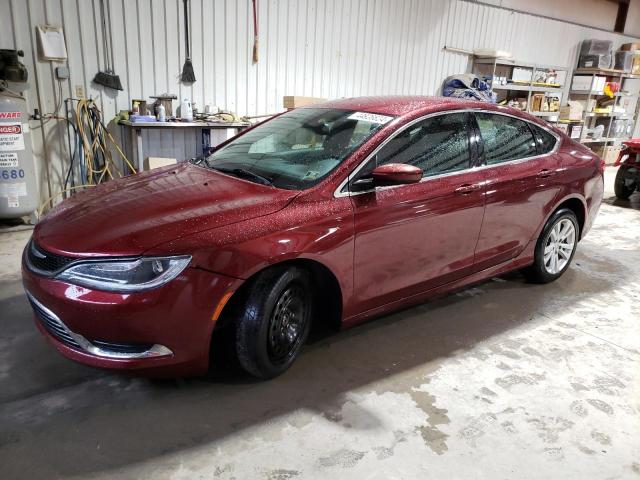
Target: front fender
(321,231)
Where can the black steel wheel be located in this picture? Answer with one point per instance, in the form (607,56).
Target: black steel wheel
(273,322)
(288,321)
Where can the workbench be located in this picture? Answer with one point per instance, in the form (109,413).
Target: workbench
(179,140)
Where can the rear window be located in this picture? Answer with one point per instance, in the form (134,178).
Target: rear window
(505,138)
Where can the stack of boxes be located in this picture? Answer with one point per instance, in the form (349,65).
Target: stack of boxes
(596,54)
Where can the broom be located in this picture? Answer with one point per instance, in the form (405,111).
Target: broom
(255,33)
(188,76)
(107,78)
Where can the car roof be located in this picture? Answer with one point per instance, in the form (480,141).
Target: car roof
(413,105)
(397,105)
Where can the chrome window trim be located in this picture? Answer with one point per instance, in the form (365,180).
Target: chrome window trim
(338,193)
(88,347)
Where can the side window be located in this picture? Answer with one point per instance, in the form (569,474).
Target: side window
(439,144)
(546,141)
(505,138)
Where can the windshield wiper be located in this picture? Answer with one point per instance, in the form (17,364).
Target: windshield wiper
(243,173)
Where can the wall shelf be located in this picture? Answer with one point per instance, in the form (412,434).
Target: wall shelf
(527,88)
(493,68)
(587,96)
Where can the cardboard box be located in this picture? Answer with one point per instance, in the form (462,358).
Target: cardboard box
(156,162)
(584,83)
(630,46)
(575,131)
(572,111)
(609,154)
(635,66)
(536,102)
(588,106)
(295,101)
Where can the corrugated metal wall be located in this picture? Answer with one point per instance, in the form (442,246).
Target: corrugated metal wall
(320,48)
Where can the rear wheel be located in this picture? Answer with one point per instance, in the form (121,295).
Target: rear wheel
(624,184)
(555,247)
(274,321)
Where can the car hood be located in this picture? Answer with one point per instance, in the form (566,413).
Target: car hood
(133,214)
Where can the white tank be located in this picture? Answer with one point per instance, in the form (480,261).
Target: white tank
(19,195)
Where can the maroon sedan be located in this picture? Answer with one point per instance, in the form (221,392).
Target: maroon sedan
(329,214)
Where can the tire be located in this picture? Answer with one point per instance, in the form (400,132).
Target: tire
(279,301)
(620,187)
(544,270)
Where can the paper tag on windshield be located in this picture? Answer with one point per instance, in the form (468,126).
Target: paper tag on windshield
(370,117)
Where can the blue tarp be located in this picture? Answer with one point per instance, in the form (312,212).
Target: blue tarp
(468,86)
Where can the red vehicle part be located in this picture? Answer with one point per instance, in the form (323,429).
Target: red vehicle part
(628,176)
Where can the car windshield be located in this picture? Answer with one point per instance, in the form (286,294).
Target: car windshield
(297,149)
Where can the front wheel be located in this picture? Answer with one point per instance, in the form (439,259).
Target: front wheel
(555,247)
(274,321)
(623,186)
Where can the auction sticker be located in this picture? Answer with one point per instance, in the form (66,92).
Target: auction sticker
(370,117)
(11,138)
(8,160)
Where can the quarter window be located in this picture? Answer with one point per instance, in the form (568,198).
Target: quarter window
(437,145)
(546,141)
(505,138)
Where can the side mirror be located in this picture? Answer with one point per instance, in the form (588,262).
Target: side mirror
(395,174)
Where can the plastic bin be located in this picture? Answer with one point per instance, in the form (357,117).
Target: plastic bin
(596,47)
(623,61)
(595,61)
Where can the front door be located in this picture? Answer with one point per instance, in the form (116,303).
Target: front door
(411,238)
(521,181)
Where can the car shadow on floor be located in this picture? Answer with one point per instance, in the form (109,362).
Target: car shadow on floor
(58,418)
(633,202)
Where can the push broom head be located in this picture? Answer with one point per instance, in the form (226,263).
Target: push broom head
(109,80)
(188,75)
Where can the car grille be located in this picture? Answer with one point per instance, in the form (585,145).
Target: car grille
(53,325)
(43,262)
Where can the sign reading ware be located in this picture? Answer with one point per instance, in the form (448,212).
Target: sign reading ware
(11,138)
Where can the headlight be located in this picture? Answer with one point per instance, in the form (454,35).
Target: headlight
(125,276)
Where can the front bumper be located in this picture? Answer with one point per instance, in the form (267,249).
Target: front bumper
(166,331)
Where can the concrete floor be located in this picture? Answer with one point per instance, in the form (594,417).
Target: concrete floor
(504,380)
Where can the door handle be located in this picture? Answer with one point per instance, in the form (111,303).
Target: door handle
(466,188)
(545,173)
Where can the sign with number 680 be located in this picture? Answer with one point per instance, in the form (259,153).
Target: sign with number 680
(12,174)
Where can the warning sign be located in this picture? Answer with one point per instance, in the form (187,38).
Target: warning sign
(8,160)
(11,138)
(13,189)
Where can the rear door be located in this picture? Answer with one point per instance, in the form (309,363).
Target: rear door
(410,238)
(520,168)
